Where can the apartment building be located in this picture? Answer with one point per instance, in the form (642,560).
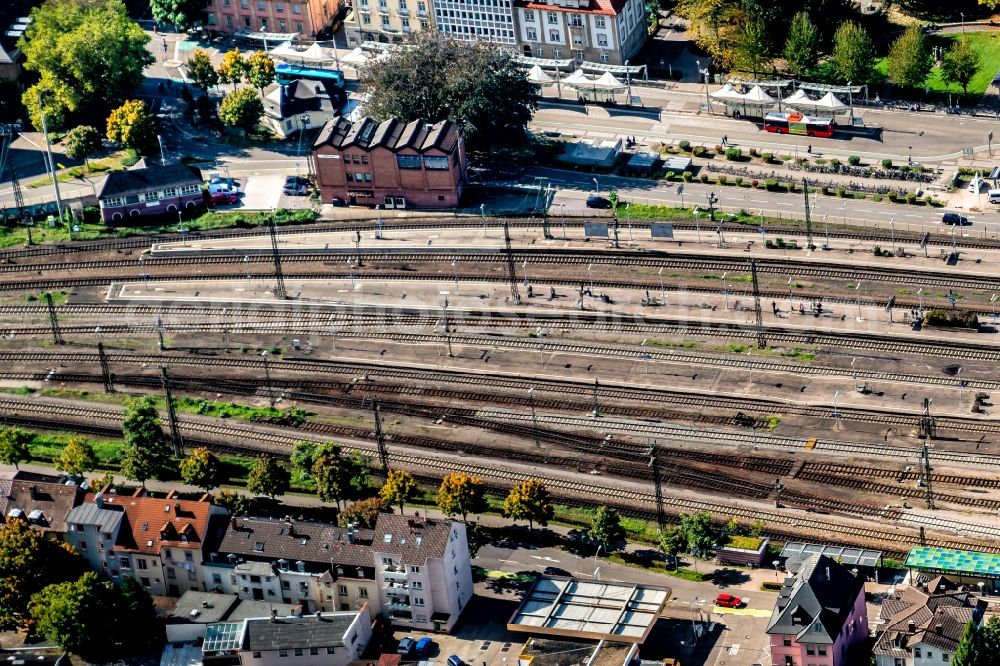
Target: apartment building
(160,541)
(309,19)
(423,570)
(484,20)
(331,639)
(321,567)
(386,20)
(41,500)
(606,31)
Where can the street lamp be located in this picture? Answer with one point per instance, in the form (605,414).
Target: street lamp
(597,186)
(776,563)
(725,288)
(663,294)
(482,215)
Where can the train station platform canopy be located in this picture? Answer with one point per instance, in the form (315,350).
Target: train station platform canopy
(850,557)
(571,608)
(950,560)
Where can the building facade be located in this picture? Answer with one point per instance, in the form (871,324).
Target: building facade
(819,617)
(386,20)
(331,639)
(41,500)
(606,31)
(484,20)
(299,106)
(392,164)
(152,191)
(309,19)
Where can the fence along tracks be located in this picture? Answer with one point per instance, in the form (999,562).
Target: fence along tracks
(635,500)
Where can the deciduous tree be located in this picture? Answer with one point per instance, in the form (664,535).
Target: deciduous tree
(475,84)
(802,46)
(236,503)
(968,651)
(87,51)
(674,541)
(529,500)
(752,49)
(133,126)
(15,446)
(362,513)
(241,108)
(77,457)
(201,71)
(853,54)
(960,64)
(328,473)
(910,61)
(399,488)
(268,477)
(78,616)
(259,70)
(233,67)
(138,626)
(83,141)
(606,528)
(202,468)
(461,494)
(147,455)
(701,536)
(180,13)
(28,563)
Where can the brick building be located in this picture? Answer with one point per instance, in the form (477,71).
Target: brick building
(607,31)
(393,164)
(307,18)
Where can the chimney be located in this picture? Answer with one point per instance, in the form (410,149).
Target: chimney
(232,523)
(911,626)
(274,615)
(938,627)
(99,500)
(350,533)
(34,492)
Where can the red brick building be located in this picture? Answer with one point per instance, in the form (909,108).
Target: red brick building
(393,164)
(307,18)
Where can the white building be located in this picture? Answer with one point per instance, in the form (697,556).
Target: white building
(486,20)
(607,31)
(330,639)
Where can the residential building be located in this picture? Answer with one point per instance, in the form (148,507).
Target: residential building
(158,190)
(10,67)
(322,567)
(300,105)
(161,541)
(393,164)
(423,570)
(607,31)
(194,611)
(385,20)
(42,500)
(819,616)
(308,19)
(470,20)
(333,639)
(922,627)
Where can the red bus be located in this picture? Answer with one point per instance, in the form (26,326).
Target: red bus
(796,123)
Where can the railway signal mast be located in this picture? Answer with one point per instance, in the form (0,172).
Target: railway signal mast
(57,337)
(661,520)
(109,386)
(7,136)
(175,433)
(761,340)
(383,452)
(515,295)
(809,224)
(279,278)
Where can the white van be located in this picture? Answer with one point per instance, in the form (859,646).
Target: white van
(993,196)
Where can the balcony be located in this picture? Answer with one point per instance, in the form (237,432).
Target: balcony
(396,588)
(395,605)
(395,572)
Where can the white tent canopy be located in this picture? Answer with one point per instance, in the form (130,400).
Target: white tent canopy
(798,98)
(757,97)
(314,54)
(830,103)
(608,82)
(577,78)
(539,77)
(727,94)
(355,57)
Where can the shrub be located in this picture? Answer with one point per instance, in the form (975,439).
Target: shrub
(700,151)
(876,198)
(824,190)
(790,186)
(685,146)
(768,243)
(771,184)
(887,163)
(841,192)
(835,163)
(703,177)
(877,251)
(771,586)
(891,197)
(911,198)
(670,175)
(723,180)
(755,183)
(739,181)
(767,157)
(719,149)
(687,176)
(936,203)
(754,152)
(786,158)
(854,160)
(733,154)
(952,319)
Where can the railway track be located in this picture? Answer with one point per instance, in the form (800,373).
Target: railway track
(274,442)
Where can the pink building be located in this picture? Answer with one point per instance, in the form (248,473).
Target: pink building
(819,618)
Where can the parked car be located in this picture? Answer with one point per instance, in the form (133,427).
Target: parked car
(423,647)
(556,571)
(955,219)
(594,201)
(226,185)
(338,202)
(223,198)
(296,186)
(728,601)
(406,646)
(455,661)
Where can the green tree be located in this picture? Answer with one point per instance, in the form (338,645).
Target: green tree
(399,488)
(960,64)
(180,13)
(259,70)
(201,71)
(606,528)
(356,468)
(147,454)
(674,541)
(15,446)
(268,477)
(235,503)
(475,84)
(78,616)
(242,109)
(461,494)
(83,51)
(910,61)
(715,25)
(529,500)
(55,97)
(802,46)
(233,67)
(83,141)
(133,126)
(362,513)
(77,457)
(138,627)
(752,47)
(28,563)
(202,468)
(968,651)
(328,473)
(701,536)
(853,56)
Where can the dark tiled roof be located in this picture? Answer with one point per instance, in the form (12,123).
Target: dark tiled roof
(44,503)
(415,539)
(314,543)
(150,179)
(286,633)
(285,101)
(823,592)
(914,617)
(394,135)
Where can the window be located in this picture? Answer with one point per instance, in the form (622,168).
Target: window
(402,6)
(364,159)
(811,651)
(298,652)
(192,575)
(366,19)
(438,164)
(604,57)
(415,569)
(363,593)
(279,6)
(342,590)
(211,19)
(188,556)
(576,21)
(171,574)
(404,162)
(417,585)
(529,16)
(385,21)
(246,21)
(217,579)
(602,40)
(930,655)
(532,34)
(331,650)
(140,564)
(418,601)
(916,653)
(282,653)
(787,642)
(406,24)
(124,562)
(225,3)
(944,656)
(553,18)
(423,24)
(229,20)
(244,4)
(298,26)
(421,7)
(144,581)
(260,5)
(296,9)
(599,22)
(313,651)
(554,36)
(368,178)
(358,176)
(282,25)
(285,585)
(822,651)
